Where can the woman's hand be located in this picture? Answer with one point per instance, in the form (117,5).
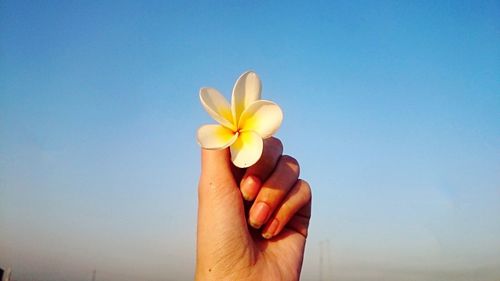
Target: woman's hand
(252,224)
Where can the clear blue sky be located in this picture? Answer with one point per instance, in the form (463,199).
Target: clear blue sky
(392,109)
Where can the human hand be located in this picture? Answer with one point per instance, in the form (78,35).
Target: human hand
(259,238)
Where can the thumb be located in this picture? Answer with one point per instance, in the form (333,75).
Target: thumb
(222,228)
(216,166)
(220,205)
(217,187)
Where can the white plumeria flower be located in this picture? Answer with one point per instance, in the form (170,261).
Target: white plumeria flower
(243,124)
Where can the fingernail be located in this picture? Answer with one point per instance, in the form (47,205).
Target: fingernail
(245,196)
(249,187)
(271,229)
(259,214)
(244,187)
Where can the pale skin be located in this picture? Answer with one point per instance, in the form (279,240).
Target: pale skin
(252,223)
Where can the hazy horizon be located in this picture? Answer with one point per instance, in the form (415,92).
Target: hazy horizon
(391,108)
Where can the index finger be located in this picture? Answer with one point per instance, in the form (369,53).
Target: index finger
(258,173)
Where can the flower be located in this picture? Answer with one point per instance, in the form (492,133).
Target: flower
(243,124)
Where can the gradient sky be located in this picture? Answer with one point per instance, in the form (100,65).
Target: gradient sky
(392,109)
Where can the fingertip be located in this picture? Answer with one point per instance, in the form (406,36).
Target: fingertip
(250,186)
(271,229)
(211,158)
(259,214)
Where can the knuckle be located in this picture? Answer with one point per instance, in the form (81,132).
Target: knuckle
(290,162)
(305,190)
(266,164)
(275,143)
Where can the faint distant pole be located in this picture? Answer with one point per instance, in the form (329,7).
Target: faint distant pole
(324,254)
(93,275)
(321,260)
(328,261)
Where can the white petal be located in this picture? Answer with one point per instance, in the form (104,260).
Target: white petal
(215,136)
(217,106)
(263,117)
(246,90)
(247,149)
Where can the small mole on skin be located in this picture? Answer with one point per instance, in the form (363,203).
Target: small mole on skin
(209,270)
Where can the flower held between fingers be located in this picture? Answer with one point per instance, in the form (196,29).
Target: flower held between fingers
(243,124)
